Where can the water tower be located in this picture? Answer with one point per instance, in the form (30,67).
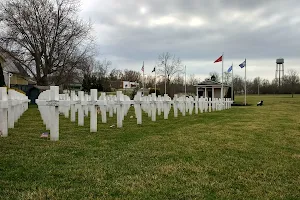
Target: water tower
(279,70)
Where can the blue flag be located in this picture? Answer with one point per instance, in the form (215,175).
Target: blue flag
(243,64)
(229,69)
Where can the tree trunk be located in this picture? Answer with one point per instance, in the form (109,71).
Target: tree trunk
(43,81)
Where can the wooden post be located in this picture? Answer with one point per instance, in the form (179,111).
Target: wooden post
(201,104)
(183,112)
(122,111)
(11,108)
(86,107)
(93,119)
(119,110)
(159,105)
(46,109)
(153,107)
(67,108)
(209,104)
(80,109)
(196,105)
(103,108)
(148,105)
(166,113)
(73,109)
(54,128)
(138,108)
(205,104)
(191,105)
(175,105)
(110,106)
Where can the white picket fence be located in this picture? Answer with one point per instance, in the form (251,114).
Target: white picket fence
(12,106)
(51,103)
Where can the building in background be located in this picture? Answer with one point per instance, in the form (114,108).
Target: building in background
(129,85)
(15,75)
(212,89)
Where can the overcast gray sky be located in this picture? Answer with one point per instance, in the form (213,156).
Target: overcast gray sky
(129,32)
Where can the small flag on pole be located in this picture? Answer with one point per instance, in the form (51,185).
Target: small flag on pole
(143,68)
(219,59)
(153,69)
(45,135)
(243,64)
(229,69)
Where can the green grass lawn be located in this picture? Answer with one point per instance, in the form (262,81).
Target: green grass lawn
(243,153)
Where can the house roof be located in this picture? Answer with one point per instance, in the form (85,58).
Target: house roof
(209,82)
(11,66)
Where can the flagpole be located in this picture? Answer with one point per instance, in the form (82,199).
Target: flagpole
(222,89)
(185,81)
(155,80)
(232,83)
(245,84)
(258,85)
(143,79)
(165,77)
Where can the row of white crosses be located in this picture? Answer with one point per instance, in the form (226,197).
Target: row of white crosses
(51,103)
(12,105)
(151,104)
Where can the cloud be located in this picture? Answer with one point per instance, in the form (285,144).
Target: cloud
(198,31)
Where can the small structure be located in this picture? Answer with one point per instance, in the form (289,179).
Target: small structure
(34,91)
(279,71)
(14,74)
(129,85)
(212,89)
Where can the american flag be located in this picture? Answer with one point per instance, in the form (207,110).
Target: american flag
(143,67)
(45,135)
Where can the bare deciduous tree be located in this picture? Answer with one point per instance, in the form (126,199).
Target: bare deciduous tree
(192,80)
(115,74)
(150,82)
(101,68)
(238,84)
(227,78)
(256,84)
(45,36)
(178,79)
(291,80)
(169,65)
(130,75)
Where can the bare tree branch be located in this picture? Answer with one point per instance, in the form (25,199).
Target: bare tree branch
(46,37)
(169,65)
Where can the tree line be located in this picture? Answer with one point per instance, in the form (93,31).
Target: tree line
(175,80)
(290,84)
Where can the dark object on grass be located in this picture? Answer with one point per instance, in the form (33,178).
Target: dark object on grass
(241,104)
(260,103)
